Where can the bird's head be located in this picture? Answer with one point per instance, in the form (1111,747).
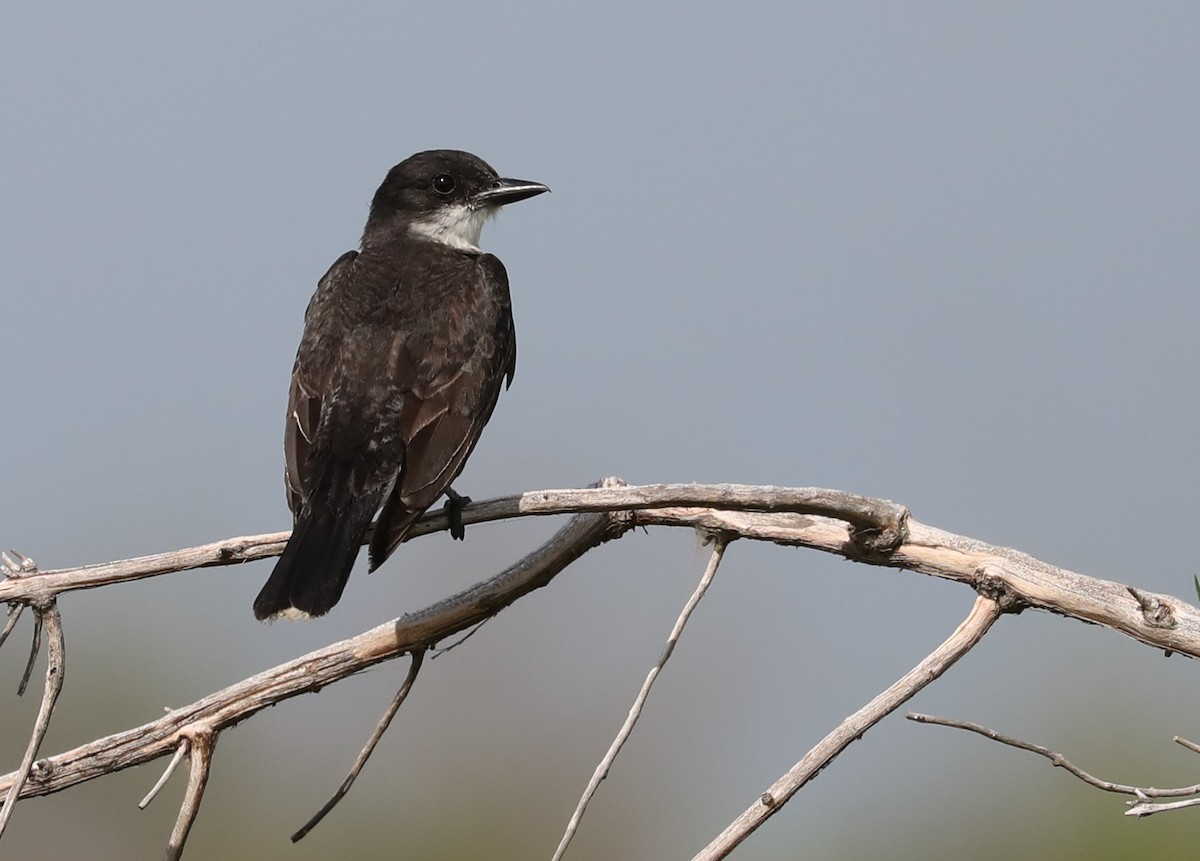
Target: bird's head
(443,195)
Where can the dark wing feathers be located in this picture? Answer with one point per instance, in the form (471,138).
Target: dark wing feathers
(311,379)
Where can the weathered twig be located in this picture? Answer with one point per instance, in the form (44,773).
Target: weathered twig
(34,647)
(719,542)
(1190,745)
(984,612)
(55,670)
(180,750)
(1144,807)
(418,656)
(200,743)
(14,613)
(1143,794)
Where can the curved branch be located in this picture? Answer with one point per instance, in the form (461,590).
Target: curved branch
(875,531)
(418,657)
(1144,803)
(877,522)
(1017,580)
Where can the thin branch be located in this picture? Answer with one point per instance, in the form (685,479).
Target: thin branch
(14,613)
(441,650)
(55,670)
(719,543)
(984,612)
(200,751)
(414,667)
(1190,745)
(180,750)
(34,647)
(1141,793)
(1147,808)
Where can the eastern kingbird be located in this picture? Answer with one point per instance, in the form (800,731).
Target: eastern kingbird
(406,345)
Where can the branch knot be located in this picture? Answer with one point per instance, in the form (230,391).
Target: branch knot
(1156,612)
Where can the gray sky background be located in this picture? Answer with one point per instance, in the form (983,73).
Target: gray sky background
(934,252)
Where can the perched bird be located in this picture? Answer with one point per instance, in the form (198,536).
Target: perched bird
(406,345)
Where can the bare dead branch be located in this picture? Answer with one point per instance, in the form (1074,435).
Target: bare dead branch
(984,612)
(55,670)
(876,522)
(827,520)
(201,742)
(804,517)
(418,656)
(719,543)
(1015,579)
(324,666)
(875,531)
(1142,793)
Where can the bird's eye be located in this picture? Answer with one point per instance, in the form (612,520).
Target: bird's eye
(443,183)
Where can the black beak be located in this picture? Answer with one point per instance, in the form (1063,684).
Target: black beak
(508,191)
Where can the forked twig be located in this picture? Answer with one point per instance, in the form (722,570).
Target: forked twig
(984,612)
(719,543)
(55,669)
(200,751)
(1143,794)
(418,656)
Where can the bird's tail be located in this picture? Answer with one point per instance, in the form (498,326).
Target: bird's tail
(312,572)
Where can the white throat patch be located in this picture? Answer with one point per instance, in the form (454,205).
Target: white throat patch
(457,226)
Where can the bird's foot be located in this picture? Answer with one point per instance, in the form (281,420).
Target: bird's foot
(455,503)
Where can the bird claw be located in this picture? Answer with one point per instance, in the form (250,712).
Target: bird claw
(455,503)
